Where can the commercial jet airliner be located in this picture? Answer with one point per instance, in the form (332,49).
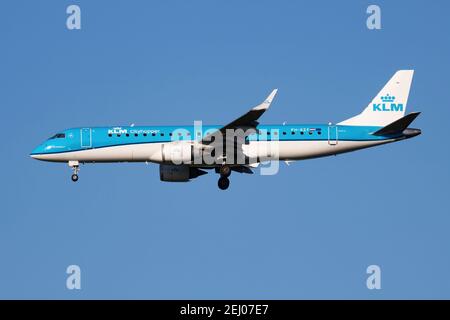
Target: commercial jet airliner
(185,152)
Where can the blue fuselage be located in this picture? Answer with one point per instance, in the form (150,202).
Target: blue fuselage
(77,139)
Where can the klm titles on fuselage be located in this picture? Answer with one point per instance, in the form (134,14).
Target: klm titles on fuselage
(387,104)
(120,130)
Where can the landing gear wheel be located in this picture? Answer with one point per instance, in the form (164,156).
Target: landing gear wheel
(225,171)
(76,168)
(223,183)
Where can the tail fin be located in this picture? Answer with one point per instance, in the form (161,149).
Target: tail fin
(389,104)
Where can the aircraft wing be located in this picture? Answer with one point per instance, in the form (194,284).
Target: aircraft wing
(248,120)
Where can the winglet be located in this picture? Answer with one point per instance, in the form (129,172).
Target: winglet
(266,104)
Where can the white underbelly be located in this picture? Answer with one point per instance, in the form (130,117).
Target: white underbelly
(298,150)
(276,150)
(125,153)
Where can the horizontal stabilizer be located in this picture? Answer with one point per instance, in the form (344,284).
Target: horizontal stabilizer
(397,126)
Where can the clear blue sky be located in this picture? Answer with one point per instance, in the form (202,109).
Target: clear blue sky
(308,232)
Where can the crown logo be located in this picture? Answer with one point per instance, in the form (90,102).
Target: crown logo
(388,98)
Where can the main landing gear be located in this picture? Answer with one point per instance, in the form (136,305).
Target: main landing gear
(225,172)
(76,168)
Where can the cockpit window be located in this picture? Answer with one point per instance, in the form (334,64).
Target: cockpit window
(58,136)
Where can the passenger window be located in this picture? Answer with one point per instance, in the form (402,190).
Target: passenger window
(135,134)
(145,134)
(153,134)
(127,135)
(162,134)
(109,135)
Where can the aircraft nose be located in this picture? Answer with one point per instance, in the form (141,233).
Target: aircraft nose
(35,156)
(38,152)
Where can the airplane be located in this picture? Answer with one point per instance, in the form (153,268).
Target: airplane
(185,152)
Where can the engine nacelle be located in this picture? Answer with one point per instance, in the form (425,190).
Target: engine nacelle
(178,173)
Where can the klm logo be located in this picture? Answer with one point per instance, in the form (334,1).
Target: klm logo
(388,104)
(117,130)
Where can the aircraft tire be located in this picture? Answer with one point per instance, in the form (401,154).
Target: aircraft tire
(225,171)
(223,183)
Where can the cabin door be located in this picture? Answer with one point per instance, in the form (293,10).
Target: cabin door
(86,137)
(332,135)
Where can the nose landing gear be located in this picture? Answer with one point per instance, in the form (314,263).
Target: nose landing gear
(225,172)
(223,183)
(76,168)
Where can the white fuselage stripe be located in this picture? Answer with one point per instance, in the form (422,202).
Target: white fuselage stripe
(286,150)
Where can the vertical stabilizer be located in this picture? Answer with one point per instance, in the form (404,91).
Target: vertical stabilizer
(388,105)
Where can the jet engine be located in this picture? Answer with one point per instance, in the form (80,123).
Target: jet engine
(178,173)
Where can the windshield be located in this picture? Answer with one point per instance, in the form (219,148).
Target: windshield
(58,136)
